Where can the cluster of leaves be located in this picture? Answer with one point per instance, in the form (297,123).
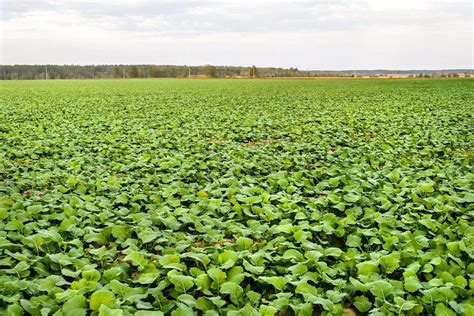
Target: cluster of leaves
(286,197)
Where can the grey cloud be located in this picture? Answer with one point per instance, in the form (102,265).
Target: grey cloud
(191,17)
(320,34)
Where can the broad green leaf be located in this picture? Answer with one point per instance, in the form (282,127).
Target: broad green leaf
(148,313)
(137,259)
(381,289)
(102,297)
(412,284)
(351,197)
(403,304)
(443,310)
(294,255)
(278,282)
(234,290)
(227,259)
(367,267)
(187,299)
(75,305)
(217,275)
(91,275)
(353,241)
(182,311)
(390,262)
(106,311)
(182,283)
(362,303)
(170,262)
(204,304)
(120,232)
(148,276)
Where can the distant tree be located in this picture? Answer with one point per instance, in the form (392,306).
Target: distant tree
(209,71)
(118,72)
(154,72)
(29,72)
(135,73)
(252,72)
(184,71)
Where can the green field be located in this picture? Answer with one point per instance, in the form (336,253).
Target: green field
(238,197)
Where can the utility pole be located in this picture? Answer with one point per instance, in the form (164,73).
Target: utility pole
(189,72)
(124,72)
(46,74)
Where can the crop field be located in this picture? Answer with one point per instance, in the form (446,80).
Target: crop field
(237,197)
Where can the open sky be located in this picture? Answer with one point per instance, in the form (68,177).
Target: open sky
(317,34)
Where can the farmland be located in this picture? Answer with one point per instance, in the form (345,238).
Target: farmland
(238,197)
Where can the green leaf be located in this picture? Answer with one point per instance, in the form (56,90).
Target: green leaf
(403,304)
(426,187)
(412,284)
(76,305)
(120,232)
(442,310)
(202,281)
(333,252)
(236,275)
(362,303)
(147,236)
(182,311)
(106,311)
(148,276)
(187,299)
(367,268)
(460,281)
(91,275)
(137,259)
(234,290)
(17,310)
(217,275)
(390,262)
(252,268)
(298,269)
(353,241)
(149,313)
(244,243)
(227,259)
(352,197)
(468,197)
(203,304)
(394,176)
(101,297)
(278,282)
(253,297)
(293,255)
(308,291)
(170,262)
(182,283)
(247,310)
(267,310)
(381,289)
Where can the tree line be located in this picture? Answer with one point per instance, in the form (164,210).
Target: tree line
(30,72)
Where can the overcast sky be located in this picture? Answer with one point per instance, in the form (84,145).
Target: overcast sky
(318,34)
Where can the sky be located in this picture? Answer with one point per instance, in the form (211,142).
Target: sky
(317,34)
